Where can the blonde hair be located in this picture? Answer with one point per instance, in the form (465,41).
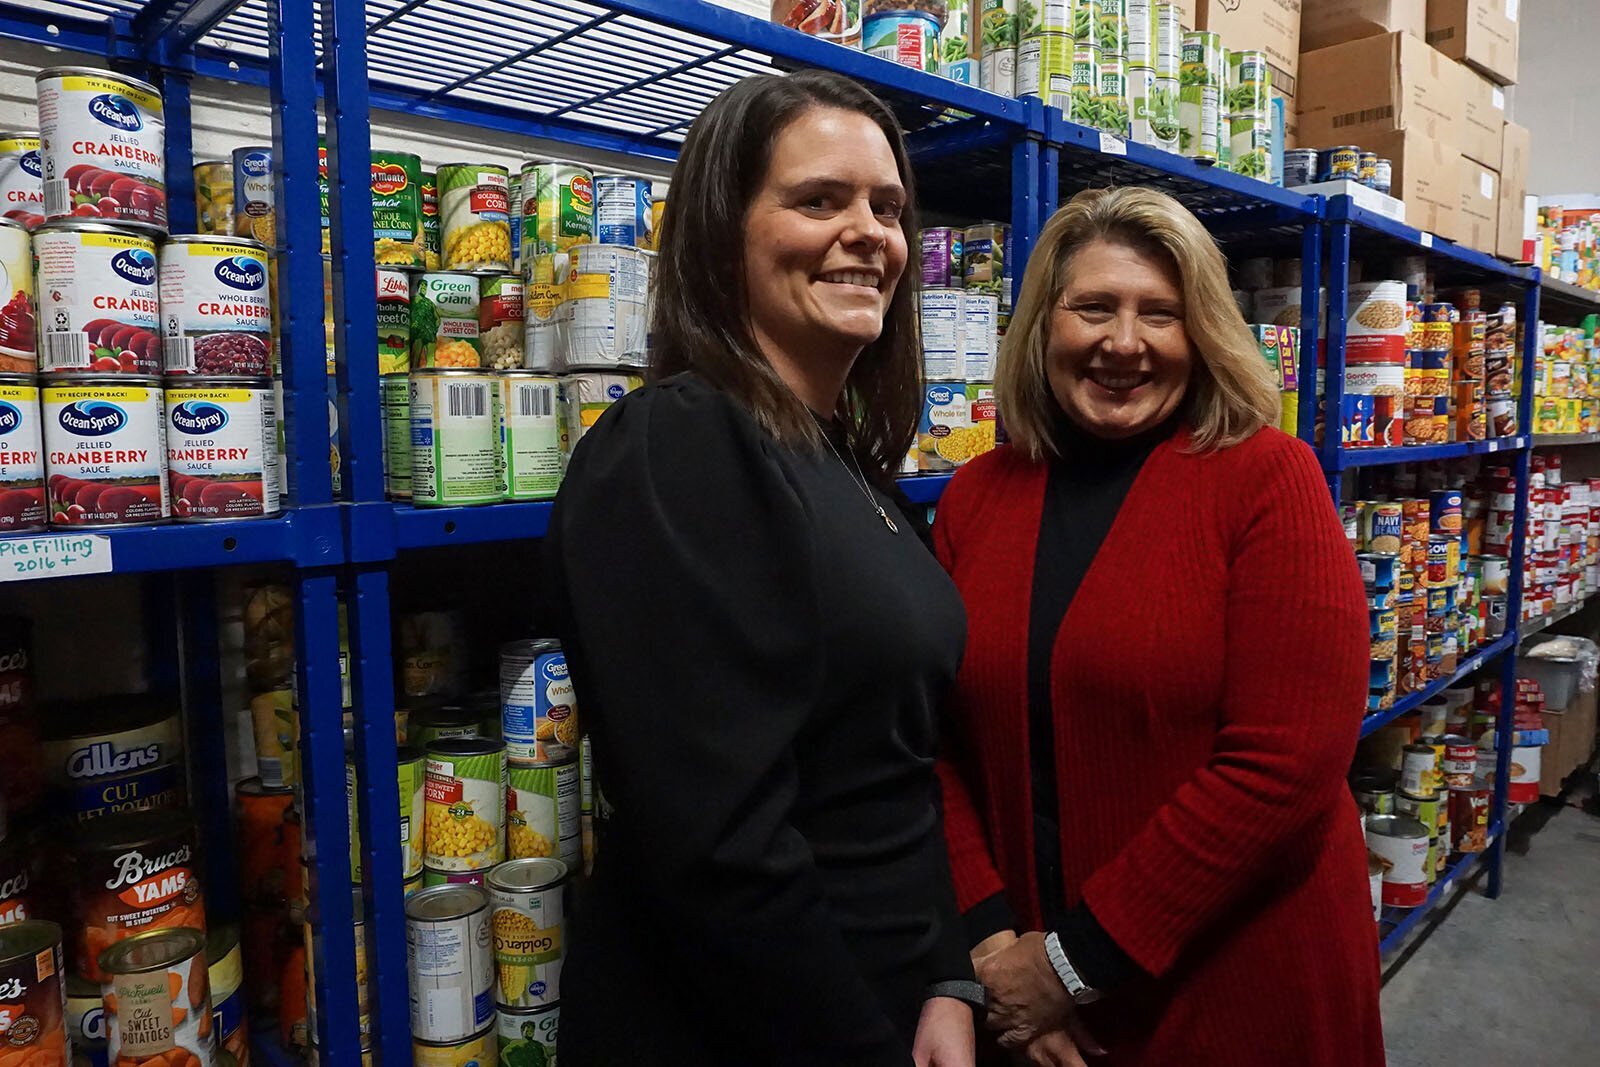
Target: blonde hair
(1232,392)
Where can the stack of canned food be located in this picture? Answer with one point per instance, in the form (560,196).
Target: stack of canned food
(1308,166)
(1280,347)
(1436,578)
(1569,250)
(100,304)
(1562,541)
(1566,379)
(964,303)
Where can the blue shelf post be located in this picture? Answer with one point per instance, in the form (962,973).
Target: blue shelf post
(1333,393)
(1311,282)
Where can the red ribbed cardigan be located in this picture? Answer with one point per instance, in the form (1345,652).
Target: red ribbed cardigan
(1208,682)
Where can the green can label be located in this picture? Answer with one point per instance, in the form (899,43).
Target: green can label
(1250,142)
(394,392)
(1249,83)
(475,217)
(1168,52)
(397,209)
(455,440)
(430,220)
(1044,68)
(412,781)
(1111,28)
(464,800)
(528,1038)
(1202,60)
(557,207)
(444,321)
(1085,84)
(1111,106)
(531,436)
(542,810)
(1086,21)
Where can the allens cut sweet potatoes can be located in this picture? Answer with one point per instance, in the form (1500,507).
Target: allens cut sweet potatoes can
(132,873)
(33,995)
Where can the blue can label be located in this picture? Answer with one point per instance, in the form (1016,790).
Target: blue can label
(158,787)
(539,711)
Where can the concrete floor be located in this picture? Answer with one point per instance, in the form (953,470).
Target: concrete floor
(1513,982)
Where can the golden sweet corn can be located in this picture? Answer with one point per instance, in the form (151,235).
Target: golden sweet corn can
(464,804)
(542,811)
(528,925)
(475,217)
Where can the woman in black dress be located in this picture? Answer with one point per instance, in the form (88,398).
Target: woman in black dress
(758,635)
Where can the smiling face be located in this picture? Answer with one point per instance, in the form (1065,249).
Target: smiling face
(1118,356)
(824,249)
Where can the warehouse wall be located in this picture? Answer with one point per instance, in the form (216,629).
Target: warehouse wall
(1558,94)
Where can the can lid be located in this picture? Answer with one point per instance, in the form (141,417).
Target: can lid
(214,239)
(19,135)
(453,901)
(66,720)
(465,746)
(73,224)
(95,72)
(474,166)
(530,646)
(1396,826)
(153,950)
(13,223)
(14,377)
(255,787)
(534,872)
(27,937)
(180,382)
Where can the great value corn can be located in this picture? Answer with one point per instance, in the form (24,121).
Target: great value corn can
(539,710)
(255,196)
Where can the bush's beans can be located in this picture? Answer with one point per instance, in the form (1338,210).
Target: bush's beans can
(21,456)
(19,308)
(622,210)
(226,977)
(33,995)
(216,315)
(464,806)
(98,300)
(395,393)
(106,759)
(254,195)
(539,711)
(21,174)
(607,291)
(105,451)
(103,146)
(557,206)
(542,816)
(474,217)
(86,1022)
(222,444)
(479,1050)
(529,927)
(451,963)
(1340,163)
(520,1028)
(158,1000)
(455,438)
(530,433)
(135,872)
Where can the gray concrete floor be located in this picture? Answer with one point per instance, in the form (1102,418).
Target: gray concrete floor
(1514,981)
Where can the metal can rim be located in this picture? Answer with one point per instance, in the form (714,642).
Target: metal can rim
(97,72)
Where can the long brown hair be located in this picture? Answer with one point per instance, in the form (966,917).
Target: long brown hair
(701,321)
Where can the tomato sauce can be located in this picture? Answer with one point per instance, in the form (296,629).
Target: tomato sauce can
(451,965)
(222,448)
(542,813)
(539,711)
(1401,845)
(529,926)
(216,313)
(158,1000)
(519,1029)
(21,179)
(97,298)
(33,995)
(103,146)
(135,872)
(456,458)
(530,433)
(22,504)
(464,804)
(105,451)
(19,307)
(475,217)
(108,758)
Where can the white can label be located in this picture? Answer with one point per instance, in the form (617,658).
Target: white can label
(216,316)
(452,973)
(98,308)
(455,441)
(980,336)
(943,317)
(105,449)
(103,147)
(538,708)
(606,292)
(21,460)
(222,451)
(21,187)
(530,429)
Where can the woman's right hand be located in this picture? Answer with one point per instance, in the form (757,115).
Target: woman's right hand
(1054,1048)
(992,944)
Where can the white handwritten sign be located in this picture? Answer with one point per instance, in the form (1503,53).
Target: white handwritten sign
(53,556)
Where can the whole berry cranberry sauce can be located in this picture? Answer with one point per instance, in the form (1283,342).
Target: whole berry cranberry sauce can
(216,315)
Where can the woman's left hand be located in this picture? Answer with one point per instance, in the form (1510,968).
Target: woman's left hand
(945,1034)
(1026,996)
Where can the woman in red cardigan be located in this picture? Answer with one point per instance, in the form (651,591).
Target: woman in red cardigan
(1154,850)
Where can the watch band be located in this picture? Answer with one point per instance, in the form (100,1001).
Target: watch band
(1077,989)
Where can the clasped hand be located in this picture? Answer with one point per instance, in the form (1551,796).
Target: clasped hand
(1028,1005)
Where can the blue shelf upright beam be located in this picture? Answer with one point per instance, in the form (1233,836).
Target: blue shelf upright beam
(1338,304)
(204,713)
(1311,285)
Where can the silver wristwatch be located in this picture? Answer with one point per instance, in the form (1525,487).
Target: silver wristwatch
(1077,989)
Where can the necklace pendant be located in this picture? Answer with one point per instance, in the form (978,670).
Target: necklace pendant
(887,521)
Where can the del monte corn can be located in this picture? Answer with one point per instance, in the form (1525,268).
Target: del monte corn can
(557,206)
(397,209)
(475,217)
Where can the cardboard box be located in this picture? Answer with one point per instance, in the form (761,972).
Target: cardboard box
(1329,22)
(1483,120)
(1186,16)
(1477,224)
(1572,742)
(1481,33)
(1517,146)
(1426,175)
(1352,92)
(1270,26)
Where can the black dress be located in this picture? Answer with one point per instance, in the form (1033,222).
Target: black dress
(759,662)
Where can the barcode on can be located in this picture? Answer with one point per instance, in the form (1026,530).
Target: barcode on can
(66,350)
(179,355)
(57,197)
(535,401)
(467,400)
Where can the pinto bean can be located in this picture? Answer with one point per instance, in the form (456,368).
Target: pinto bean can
(98,300)
(475,217)
(105,451)
(216,315)
(21,456)
(21,174)
(133,873)
(158,1000)
(450,961)
(222,441)
(33,995)
(103,146)
(528,925)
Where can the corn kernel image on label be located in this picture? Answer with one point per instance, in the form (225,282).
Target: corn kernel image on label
(464,804)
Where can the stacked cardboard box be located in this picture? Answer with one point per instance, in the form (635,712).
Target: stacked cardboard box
(1369,76)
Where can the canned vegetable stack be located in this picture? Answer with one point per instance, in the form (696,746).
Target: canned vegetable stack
(1562,537)
(1249,115)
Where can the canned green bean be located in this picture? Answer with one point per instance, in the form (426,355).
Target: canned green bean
(1086,21)
(997,61)
(530,433)
(1250,143)
(1141,33)
(475,217)
(1043,16)
(1085,84)
(455,437)
(394,392)
(1224,145)
(444,320)
(1249,84)
(1044,68)
(958,44)
(1111,28)
(1111,105)
(1164,122)
(1199,89)
(1167,55)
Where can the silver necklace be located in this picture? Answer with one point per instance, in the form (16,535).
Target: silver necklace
(861,484)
